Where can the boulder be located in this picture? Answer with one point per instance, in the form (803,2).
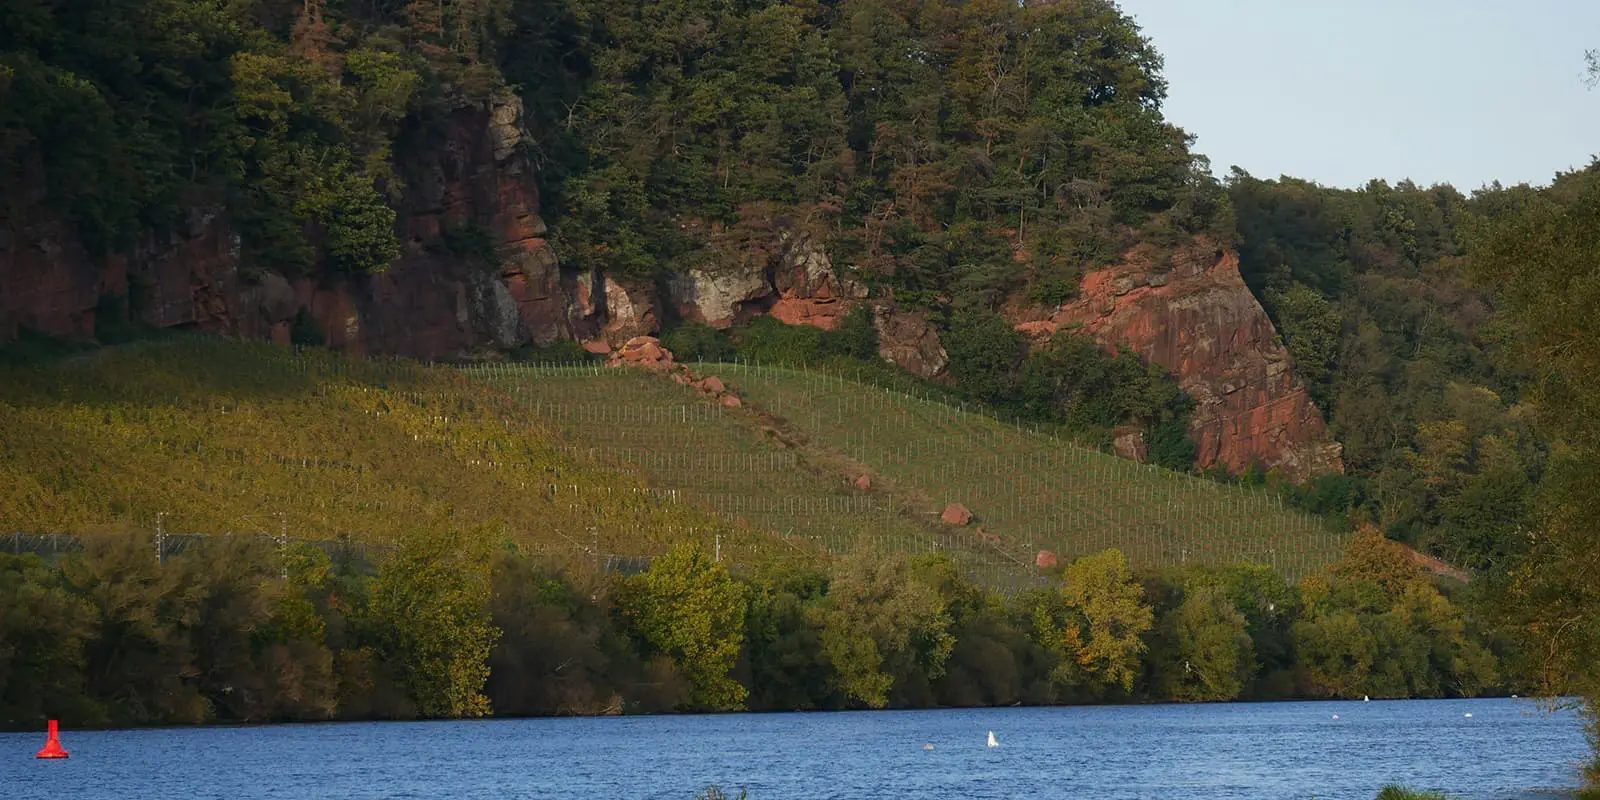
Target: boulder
(1131,445)
(908,339)
(863,482)
(643,351)
(731,401)
(1046,560)
(956,514)
(711,385)
(597,346)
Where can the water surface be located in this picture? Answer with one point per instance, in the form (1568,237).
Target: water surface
(1506,749)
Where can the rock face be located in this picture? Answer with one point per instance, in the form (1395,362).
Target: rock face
(723,296)
(809,291)
(1199,320)
(1131,445)
(908,338)
(429,304)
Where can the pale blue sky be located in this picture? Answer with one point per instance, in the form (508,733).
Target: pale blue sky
(1340,91)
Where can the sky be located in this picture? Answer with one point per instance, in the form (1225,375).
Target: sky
(1342,91)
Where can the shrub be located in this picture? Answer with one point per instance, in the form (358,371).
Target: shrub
(696,341)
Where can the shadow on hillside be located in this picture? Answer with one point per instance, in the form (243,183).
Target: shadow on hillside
(178,369)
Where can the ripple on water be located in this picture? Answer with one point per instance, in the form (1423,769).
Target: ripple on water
(1508,748)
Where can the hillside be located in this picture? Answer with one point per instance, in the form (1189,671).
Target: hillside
(787,459)
(218,437)
(981,182)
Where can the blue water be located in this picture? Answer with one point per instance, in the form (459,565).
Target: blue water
(1507,749)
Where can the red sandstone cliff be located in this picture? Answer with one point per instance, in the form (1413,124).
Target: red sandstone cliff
(1196,317)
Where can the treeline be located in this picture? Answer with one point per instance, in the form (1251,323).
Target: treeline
(1416,369)
(454,625)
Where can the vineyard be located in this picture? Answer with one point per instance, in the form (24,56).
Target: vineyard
(200,435)
(1029,491)
(725,460)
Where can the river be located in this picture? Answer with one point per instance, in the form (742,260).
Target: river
(1505,749)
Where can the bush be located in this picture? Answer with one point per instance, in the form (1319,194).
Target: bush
(304,330)
(696,341)
(1402,793)
(562,351)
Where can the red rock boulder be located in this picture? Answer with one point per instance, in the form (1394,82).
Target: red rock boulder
(1046,560)
(956,514)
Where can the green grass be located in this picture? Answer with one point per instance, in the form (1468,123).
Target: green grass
(214,436)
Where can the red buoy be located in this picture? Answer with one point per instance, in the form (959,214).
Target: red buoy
(52,745)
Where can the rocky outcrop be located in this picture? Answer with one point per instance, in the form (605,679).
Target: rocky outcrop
(1196,317)
(722,296)
(645,352)
(909,339)
(429,304)
(1130,445)
(809,291)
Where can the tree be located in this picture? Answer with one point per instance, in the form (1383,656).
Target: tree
(43,634)
(1110,617)
(688,607)
(882,628)
(1544,260)
(1215,657)
(430,617)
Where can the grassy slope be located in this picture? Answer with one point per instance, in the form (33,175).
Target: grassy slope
(1039,491)
(1033,491)
(735,463)
(224,437)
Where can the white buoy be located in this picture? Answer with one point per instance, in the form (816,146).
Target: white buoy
(927,747)
(1365,699)
(1335,716)
(1468,715)
(992,742)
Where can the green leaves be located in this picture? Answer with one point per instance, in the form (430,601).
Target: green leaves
(688,607)
(430,611)
(883,629)
(1111,617)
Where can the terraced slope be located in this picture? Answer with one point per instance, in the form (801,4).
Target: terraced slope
(213,436)
(783,463)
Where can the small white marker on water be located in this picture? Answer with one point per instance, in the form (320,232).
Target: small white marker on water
(1468,715)
(1335,716)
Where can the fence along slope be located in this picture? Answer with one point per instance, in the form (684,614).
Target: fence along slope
(721,459)
(1037,490)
